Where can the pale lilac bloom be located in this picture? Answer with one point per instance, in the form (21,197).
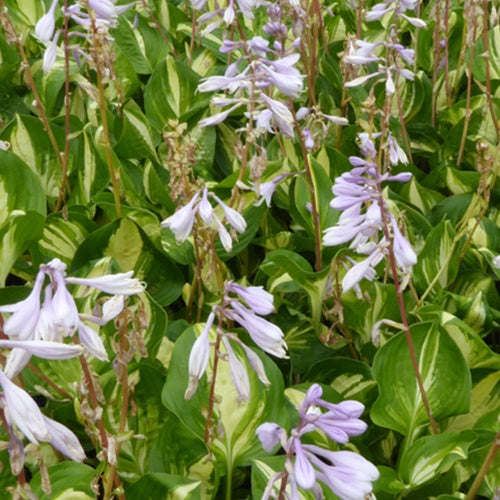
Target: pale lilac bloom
(44,349)
(64,317)
(347,474)
(64,441)
(92,342)
(256,364)
(44,28)
(350,477)
(234,218)
(403,252)
(281,115)
(265,334)
(205,209)
(23,321)
(259,301)
(224,236)
(50,54)
(22,410)
(107,10)
(270,435)
(239,374)
(114,284)
(199,357)
(181,222)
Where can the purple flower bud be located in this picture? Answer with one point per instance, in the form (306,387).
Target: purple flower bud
(259,301)
(199,357)
(403,252)
(234,218)
(24,319)
(266,335)
(205,209)
(415,21)
(44,28)
(92,342)
(308,140)
(239,374)
(269,435)
(224,236)
(114,284)
(50,54)
(23,411)
(64,441)
(256,364)
(182,221)
(303,470)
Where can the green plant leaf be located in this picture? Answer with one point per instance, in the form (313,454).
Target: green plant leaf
(445,377)
(430,456)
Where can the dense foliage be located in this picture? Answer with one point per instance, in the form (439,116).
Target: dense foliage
(249,249)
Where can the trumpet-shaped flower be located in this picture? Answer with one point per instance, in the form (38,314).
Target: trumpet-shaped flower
(347,474)
(199,357)
(44,28)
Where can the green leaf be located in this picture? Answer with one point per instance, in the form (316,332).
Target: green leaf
(20,188)
(136,139)
(298,269)
(475,351)
(168,486)
(171,93)
(438,262)
(431,456)
(29,142)
(15,237)
(485,399)
(444,373)
(68,480)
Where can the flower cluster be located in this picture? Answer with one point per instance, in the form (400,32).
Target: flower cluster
(361,52)
(102,14)
(181,222)
(347,474)
(265,334)
(358,196)
(264,67)
(36,329)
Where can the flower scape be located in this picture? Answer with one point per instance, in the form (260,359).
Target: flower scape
(249,249)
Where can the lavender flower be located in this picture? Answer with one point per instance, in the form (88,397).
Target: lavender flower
(40,330)
(199,357)
(358,197)
(265,334)
(22,410)
(44,28)
(347,474)
(181,223)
